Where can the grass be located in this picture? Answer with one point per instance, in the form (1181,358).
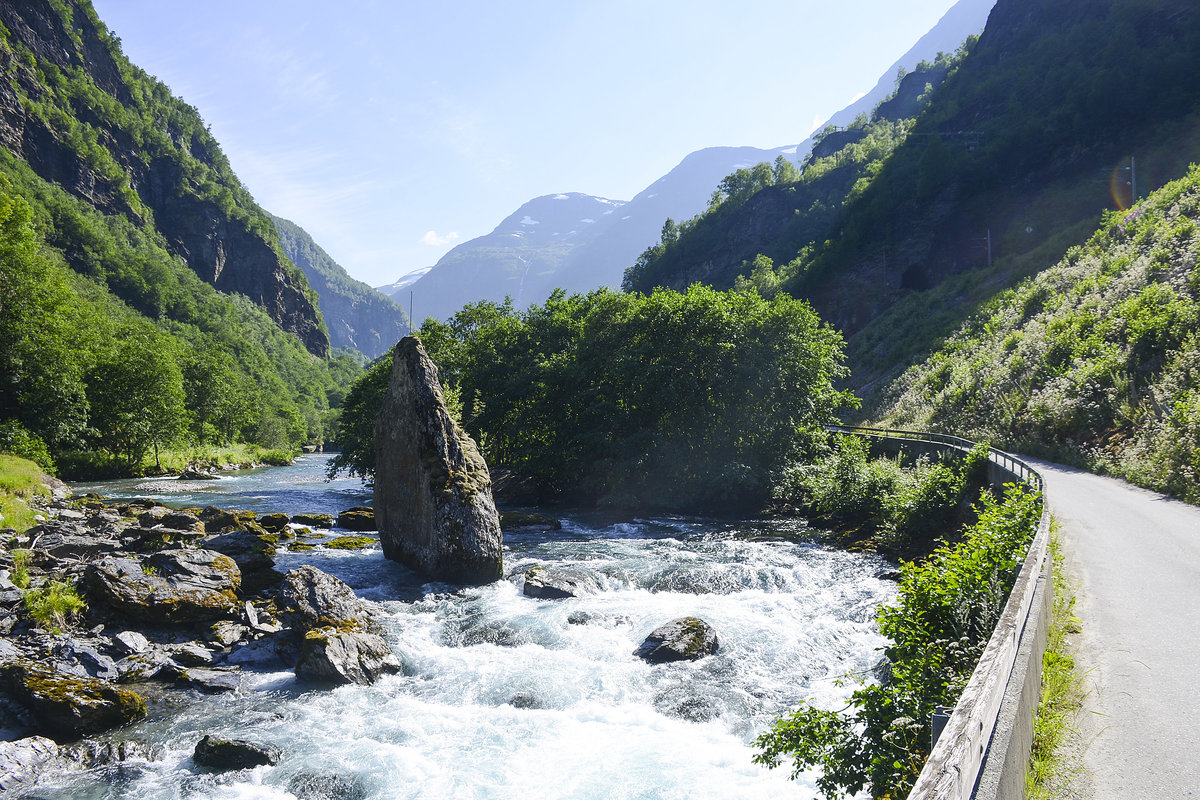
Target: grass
(1050,771)
(54,605)
(20,484)
(97,465)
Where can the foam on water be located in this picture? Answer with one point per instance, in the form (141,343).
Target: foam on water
(507,696)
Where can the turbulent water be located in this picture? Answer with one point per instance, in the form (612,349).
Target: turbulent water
(504,696)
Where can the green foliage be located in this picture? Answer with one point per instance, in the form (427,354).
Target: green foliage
(906,508)
(671,400)
(54,604)
(20,485)
(20,567)
(84,369)
(946,609)
(1093,361)
(356,434)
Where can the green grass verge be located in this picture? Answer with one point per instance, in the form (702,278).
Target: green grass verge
(1050,771)
(20,483)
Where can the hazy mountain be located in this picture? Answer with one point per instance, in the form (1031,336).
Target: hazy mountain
(490,268)
(356,315)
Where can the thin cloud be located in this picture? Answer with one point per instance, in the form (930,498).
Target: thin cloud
(432,239)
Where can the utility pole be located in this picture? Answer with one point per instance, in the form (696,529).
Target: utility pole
(410,312)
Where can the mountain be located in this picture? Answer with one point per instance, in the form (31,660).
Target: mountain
(520,258)
(405,280)
(1092,361)
(476,270)
(1039,129)
(75,110)
(145,302)
(356,315)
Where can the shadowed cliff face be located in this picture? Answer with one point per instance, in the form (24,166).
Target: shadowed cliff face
(173,170)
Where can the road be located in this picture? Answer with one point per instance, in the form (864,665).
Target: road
(1135,558)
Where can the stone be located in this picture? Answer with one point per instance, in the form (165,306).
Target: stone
(21,761)
(193,654)
(329,655)
(250,552)
(433,495)
(182,521)
(556,584)
(149,540)
(132,641)
(309,598)
(168,586)
(314,520)
(213,680)
(68,707)
(310,786)
(350,542)
(226,633)
(274,522)
(227,754)
(685,639)
(357,519)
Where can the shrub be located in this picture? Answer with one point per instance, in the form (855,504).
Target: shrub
(53,604)
(945,612)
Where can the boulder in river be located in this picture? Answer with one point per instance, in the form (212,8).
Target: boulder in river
(168,586)
(310,598)
(359,518)
(685,639)
(330,655)
(227,754)
(67,706)
(555,584)
(433,492)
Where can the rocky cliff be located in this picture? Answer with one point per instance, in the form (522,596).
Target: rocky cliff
(80,115)
(357,316)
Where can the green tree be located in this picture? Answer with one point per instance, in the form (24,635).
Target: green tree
(137,398)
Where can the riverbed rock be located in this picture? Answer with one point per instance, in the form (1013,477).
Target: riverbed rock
(250,552)
(359,518)
(182,521)
(309,598)
(169,586)
(556,584)
(314,520)
(212,681)
(313,786)
(433,491)
(228,754)
(274,522)
(21,761)
(330,655)
(529,520)
(67,707)
(685,639)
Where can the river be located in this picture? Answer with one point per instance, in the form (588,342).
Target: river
(504,696)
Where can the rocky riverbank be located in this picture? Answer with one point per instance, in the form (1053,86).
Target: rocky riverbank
(176,605)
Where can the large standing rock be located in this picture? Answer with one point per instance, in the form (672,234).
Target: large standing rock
(433,492)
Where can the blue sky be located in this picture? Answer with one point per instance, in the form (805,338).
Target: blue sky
(391,131)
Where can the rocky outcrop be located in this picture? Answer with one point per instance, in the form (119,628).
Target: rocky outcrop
(686,639)
(179,173)
(341,642)
(67,706)
(433,495)
(171,585)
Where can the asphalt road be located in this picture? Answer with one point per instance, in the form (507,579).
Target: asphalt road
(1135,558)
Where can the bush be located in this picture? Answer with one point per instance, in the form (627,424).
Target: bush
(945,612)
(54,604)
(15,439)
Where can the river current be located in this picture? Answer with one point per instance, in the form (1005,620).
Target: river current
(504,696)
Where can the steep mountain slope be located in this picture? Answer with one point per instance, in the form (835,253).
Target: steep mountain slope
(82,116)
(1096,360)
(357,316)
(616,240)
(1018,152)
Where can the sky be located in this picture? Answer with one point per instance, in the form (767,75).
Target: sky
(392,131)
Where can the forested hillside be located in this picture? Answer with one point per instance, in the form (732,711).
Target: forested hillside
(144,299)
(1041,127)
(1096,361)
